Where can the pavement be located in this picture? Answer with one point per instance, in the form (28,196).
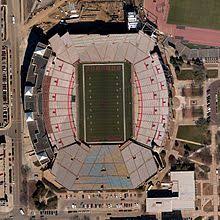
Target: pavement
(14,130)
(214,88)
(214,176)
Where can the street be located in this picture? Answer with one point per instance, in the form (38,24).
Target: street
(14,130)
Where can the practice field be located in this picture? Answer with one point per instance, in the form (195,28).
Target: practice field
(105,110)
(195,13)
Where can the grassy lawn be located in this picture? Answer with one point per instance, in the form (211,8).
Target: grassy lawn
(196,46)
(197,91)
(188,74)
(195,13)
(211,73)
(185,75)
(197,112)
(218,104)
(105,112)
(192,133)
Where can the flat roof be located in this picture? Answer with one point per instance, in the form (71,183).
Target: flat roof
(182,196)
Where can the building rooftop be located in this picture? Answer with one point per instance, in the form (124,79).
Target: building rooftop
(182,195)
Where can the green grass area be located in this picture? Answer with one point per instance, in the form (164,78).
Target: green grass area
(218,104)
(195,13)
(189,74)
(192,133)
(212,73)
(196,46)
(105,106)
(197,112)
(197,91)
(185,75)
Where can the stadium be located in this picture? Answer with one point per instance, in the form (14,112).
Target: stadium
(95,107)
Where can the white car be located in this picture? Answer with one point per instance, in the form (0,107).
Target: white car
(21,211)
(13,19)
(74,206)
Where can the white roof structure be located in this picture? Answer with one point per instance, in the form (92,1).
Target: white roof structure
(183,183)
(28,91)
(42,157)
(186,189)
(40,50)
(29,116)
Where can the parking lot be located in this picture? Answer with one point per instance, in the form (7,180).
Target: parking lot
(4,91)
(100,202)
(213,113)
(3,22)
(6,173)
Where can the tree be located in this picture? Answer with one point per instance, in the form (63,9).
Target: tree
(184,57)
(176,143)
(217,154)
(52,202)
(186,147)
(173,61)
(177,70)
(176,53)
(198,76)
(201,122)
(25,169)
(172,159)
(205,155)
(40,205)
(163,153)
(198,62)
(40,184)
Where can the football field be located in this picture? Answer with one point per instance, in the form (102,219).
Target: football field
(195,13)
(105,102)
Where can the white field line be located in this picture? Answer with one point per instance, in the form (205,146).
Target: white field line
(123,86)
(84,104)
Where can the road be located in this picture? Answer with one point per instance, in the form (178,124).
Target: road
(214,176)
(15,128)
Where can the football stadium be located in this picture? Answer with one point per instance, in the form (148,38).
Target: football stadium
(96,106)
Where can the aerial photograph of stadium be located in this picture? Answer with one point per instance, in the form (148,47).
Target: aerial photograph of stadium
(110,109)
(104,101)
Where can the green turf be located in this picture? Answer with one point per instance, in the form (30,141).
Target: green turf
(196,46)
(192,133)
(185,74)
(105,110)
(218,102)
(195,13)
(212,73)
(197,112)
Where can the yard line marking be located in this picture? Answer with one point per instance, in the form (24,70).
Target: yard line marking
(123,85)
(84,105)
